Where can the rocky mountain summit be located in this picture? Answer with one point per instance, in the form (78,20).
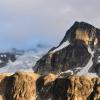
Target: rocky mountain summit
(31,86)
(78,52)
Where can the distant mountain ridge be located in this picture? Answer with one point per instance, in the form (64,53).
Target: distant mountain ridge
(79,49)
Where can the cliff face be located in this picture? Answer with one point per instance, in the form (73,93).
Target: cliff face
(31,86)
(80,43)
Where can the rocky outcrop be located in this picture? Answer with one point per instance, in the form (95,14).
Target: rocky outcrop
(31,86)
(2,85)
(6,57)
(72,52)
(21,86)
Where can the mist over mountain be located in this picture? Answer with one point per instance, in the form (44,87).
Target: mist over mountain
(21,60)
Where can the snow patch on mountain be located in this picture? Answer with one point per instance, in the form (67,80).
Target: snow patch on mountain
(68,71)
(65,44)
(85,70)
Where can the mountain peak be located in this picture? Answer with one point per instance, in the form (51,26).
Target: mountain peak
(77,50)
(82,31)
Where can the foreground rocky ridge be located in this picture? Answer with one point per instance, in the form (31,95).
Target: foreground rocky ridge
(31,86)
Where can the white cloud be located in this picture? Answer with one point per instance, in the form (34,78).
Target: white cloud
(44,20)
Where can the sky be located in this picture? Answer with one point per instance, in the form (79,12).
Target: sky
(27,24)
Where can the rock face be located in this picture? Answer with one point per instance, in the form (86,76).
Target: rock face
(31,86)
(21,86)
(74,51)
(6,57)
(2,85)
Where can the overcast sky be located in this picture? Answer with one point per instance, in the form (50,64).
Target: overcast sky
(27,23)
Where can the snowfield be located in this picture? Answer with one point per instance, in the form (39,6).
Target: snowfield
(23,63)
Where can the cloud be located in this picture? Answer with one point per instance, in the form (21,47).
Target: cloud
(25,23)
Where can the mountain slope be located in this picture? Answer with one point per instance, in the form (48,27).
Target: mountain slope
(77,50)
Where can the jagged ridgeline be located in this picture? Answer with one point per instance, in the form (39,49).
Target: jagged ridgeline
(80,43)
